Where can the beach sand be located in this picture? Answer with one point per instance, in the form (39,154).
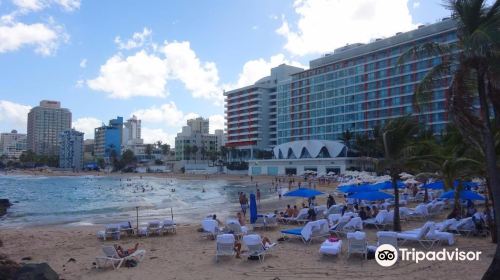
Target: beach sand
(186,255)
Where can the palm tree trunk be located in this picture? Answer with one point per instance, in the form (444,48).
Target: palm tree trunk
(493,174)
(491,222)
(397,222)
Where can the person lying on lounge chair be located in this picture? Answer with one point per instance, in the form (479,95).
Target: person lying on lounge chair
(123,253)
(266,243)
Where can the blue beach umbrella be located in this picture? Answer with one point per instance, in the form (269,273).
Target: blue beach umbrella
(253,208)
(303,192)
(438,185)
(463,195)
(361,188)
(388,185)
(376,195)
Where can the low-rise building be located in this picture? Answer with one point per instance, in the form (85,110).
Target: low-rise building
(12,144)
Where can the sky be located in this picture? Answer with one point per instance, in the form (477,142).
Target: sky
(168,61)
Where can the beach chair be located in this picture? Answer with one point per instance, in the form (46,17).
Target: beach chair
(301,217)
(440,236)
(310,231)
(168,226)
(356,244)
(126,228)
(224,246)
(404,213)
(418,235)
(111,256)
(334,209)
(320,211)
(271,220)
(420,212)
(260,222)
(253,242)
(436,208)
(334,219)
(210,228)
(355,224)
(378,221)
(464,226)
(387,237)
(153,228)
(331,248)
(110,231)
(234,227)
(338,228)
(446,224)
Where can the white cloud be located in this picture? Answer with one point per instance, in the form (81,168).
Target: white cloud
(324,25)
(44,38)
(38,5)
(141,74)
(87,126)
(13,116)
(83,63)
(216,122)
(29,5)
(137,41)
(201,79)
(256,69)
(80,83)
(416,4)
(152,135)
(166,114)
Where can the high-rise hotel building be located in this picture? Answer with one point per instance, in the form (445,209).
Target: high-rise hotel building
(251,113)
(360,86)
(45,124)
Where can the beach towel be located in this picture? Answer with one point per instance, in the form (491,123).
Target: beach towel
(358,235)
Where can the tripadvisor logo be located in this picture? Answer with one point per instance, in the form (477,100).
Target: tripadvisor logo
(386,255)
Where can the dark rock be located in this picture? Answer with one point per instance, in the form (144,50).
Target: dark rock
(36,271)
(8,268)
(26,259)
(71,260)
(4,204)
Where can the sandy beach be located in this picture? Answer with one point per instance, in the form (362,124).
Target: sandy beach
(186,255)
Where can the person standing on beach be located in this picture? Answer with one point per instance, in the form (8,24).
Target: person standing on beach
(258,196)
(244,205)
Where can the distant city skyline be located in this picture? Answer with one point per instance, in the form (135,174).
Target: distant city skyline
(168,62)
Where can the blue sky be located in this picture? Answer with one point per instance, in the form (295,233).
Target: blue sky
(167,61)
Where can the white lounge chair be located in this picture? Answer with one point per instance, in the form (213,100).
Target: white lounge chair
(271,220)
(334,209)
(260,222)
(168,226)
(210,228)
(233,226)
(387,237)
(153,228)
(357,243)
(255,247)
(418,235)
(310,231)
(338,228)
(110,231)
(111,256)
(225,246)
(378,221)
(465,226)
(331,248)
(440,236)
(420,212)
(320,211)
(126,228)
(301,217)
(334,219)
(355,224)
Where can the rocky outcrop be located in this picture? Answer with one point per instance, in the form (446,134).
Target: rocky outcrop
(36,271)
(8,268)
(4,204)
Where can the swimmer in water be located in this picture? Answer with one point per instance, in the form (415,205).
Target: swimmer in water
(203,190)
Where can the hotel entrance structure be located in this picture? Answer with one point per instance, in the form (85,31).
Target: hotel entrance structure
(300,157)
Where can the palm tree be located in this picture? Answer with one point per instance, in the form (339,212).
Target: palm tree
(397,138)
(149,150)
(346,138)
(474,91)
(194,151)
(187,152)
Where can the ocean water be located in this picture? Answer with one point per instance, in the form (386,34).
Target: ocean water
(87,200)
